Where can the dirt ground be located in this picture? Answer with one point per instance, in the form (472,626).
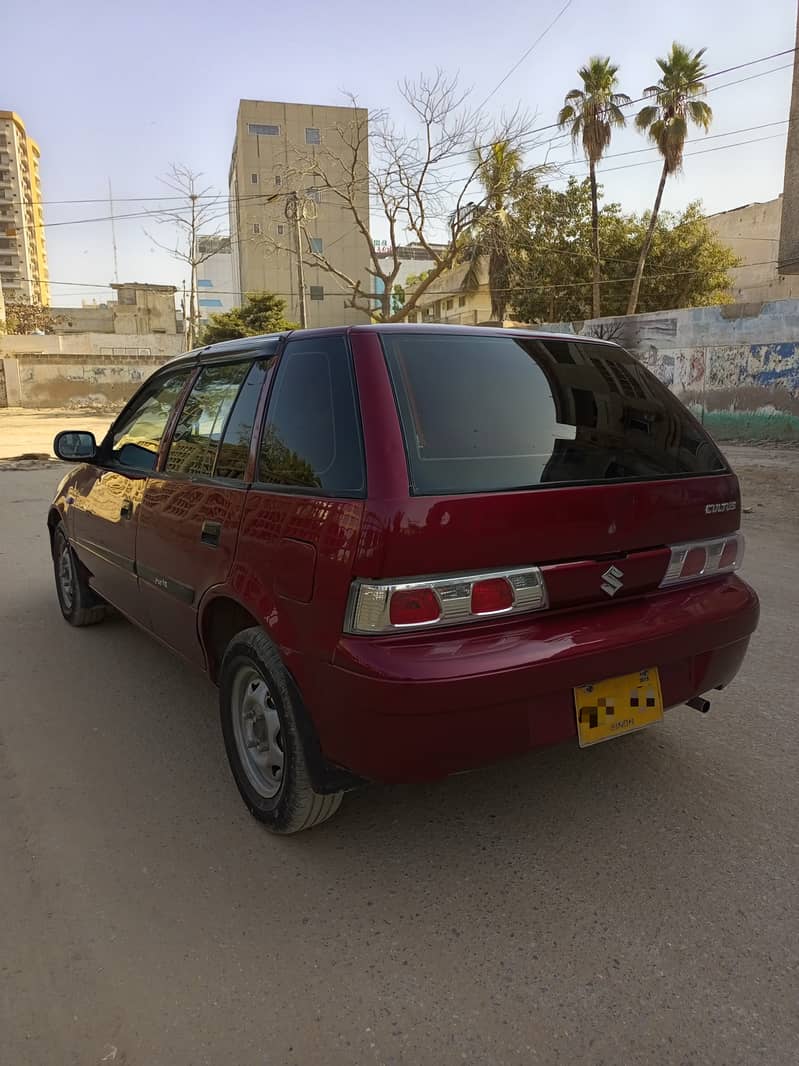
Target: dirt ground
(769,479)
(26,432)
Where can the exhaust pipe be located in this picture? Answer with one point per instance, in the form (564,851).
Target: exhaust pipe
(699,703)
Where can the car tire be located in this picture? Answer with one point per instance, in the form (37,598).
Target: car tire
(79,605)
(260,714)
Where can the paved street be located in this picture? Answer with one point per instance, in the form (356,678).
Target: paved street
(635,903)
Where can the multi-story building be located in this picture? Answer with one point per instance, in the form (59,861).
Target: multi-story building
(23,259)
(304,149)
(215,286)
(753,233)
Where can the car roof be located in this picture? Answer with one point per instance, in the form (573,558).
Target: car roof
(266,343)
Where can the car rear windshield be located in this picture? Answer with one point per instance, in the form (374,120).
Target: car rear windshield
(492,413)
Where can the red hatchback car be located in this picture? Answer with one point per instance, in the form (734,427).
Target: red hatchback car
(404,552)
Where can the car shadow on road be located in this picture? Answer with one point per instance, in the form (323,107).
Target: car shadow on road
(544,805)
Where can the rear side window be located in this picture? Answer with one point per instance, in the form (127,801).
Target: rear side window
(485,414)
(203,418)
(312,438)
(231,460)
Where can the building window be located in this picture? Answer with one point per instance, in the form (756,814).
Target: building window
(205,283)
(253,179)
(278,180)
(461,301)
(216,302)
(256,229)
(317,245)
(317,292)
(261,130)
(450,304)
(312,135)
(314,194)
(280,229)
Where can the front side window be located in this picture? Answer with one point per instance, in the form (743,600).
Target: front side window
(312,434)
(493,413)
(312,135)
(136,437)
(203,418)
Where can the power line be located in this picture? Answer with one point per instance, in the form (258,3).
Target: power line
(654,147)
(222,198)
(702,151)
(519,62)
(459,292)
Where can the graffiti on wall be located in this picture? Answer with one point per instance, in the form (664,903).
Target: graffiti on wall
(740,390)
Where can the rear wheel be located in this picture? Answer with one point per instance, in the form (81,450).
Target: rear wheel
(79,604)
(262,738)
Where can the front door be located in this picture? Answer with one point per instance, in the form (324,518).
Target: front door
(191,510)
(105,512)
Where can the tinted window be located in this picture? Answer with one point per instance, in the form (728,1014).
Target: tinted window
(203,418)
(137,435)
(312,434)
(231,461)
(482,414)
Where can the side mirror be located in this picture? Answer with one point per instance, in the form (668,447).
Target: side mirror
(75,446)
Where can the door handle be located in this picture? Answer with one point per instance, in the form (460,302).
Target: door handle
(211,533)
(126,510)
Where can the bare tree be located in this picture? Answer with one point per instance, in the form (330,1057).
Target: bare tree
(199,209)
(422,186)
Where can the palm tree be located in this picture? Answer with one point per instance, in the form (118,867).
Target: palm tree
(666,123)
(500,173)
(590,114)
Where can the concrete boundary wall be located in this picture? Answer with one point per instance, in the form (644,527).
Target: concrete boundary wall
(80,370)
(736,365)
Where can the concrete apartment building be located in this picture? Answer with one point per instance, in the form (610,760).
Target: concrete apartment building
(215,285)
(753,233)
(23,259)
(280,149)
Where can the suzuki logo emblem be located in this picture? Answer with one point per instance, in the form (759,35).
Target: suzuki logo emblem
(612,580)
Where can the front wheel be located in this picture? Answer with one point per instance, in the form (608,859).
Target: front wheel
(262,738)
(79,605)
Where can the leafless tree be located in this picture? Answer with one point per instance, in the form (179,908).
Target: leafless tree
(421,185)
(197,213)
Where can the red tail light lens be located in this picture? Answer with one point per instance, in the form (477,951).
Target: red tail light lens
(695,562)
(492,595)
(729,555)
(706,558)
(413,607)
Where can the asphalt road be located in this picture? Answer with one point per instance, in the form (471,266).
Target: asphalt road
(634,903)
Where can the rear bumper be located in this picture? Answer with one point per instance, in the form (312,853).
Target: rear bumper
(430,705)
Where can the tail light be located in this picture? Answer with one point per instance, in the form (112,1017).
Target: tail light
(395,606)
(704,558)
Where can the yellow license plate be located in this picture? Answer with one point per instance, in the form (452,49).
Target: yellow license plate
(619,705)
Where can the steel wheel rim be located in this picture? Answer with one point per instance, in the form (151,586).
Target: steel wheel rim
(66,577)
(256,729)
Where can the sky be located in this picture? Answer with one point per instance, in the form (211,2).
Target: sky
(120,92)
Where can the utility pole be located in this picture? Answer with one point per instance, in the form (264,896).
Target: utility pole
(193,308)
(293,213)
(113,231)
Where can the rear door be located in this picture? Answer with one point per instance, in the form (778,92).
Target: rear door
(191,510)
(524,450)
(302,517)
(105,513)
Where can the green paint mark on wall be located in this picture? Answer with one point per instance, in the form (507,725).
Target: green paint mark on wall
(752,425)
